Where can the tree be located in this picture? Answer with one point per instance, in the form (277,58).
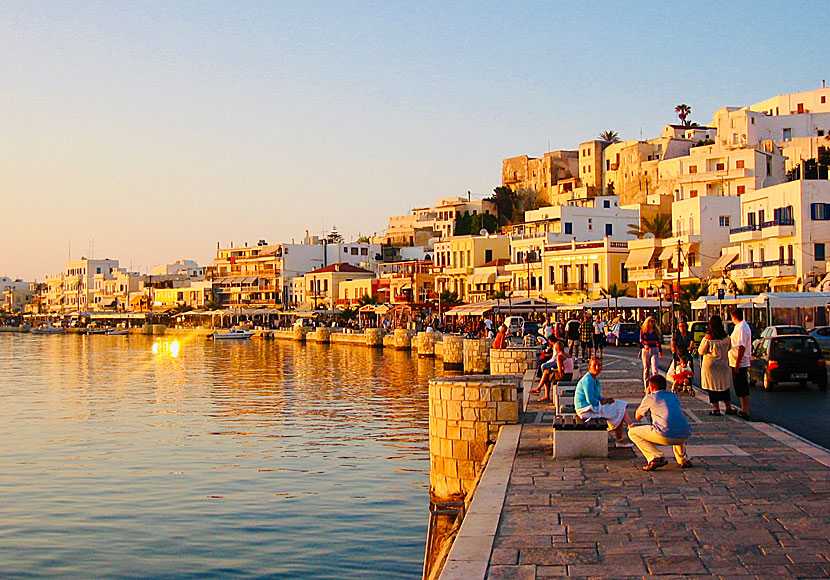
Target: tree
(334,237)
(447,297)
(212,305)
(467,224)
(615,292)
(689,293)
(505,200)
(659,227)
(527,200)
(365,300)
(363,239)
(348,313)
(609,189)
(610,136)
(683,111)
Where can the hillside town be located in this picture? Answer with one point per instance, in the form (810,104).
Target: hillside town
(740,206)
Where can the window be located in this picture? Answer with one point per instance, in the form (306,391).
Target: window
(590,224)
(606,204)
(750,218)
(761,216)
(569,228)
(609,229)
(823,99)
(723,221)
(623,274)
(354,251)
(790,253)
(596,273)
(719,167)
(693,193)
(741,189)
(488,256)
(693,169)
(551,278)
(787,134)
(364,251)
(820,211)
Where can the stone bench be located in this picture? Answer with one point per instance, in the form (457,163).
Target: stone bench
(573,437)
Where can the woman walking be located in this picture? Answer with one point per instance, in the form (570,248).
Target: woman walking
(715,373)
(650,340)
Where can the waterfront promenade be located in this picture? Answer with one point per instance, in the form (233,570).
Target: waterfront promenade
(755,504)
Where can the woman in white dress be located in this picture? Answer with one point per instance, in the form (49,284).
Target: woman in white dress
(715,374)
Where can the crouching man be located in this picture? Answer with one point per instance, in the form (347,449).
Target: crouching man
(668,426)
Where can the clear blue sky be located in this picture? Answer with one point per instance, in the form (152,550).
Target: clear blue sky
(160,128)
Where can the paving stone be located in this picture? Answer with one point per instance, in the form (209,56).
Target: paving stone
(511,573)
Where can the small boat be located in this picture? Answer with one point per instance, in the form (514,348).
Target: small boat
(232,334)
(96,331)
(48,328)
(118,331)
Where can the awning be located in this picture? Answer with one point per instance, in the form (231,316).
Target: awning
(107,302)
(482,278)
(668,253)
(729,255)
(784,281)
(639,257)
(793,299)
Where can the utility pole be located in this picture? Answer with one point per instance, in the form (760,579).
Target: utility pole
(676,297)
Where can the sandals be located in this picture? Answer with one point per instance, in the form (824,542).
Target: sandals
(656,463)
(714,413)
(686,464)
(742,415)
(731,411)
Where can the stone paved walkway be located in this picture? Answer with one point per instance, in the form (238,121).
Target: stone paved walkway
(754,506)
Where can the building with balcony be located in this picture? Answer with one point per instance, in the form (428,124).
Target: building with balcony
(458,256)
(717,170)
(700,228)
(436,221)
(75,288)
(350,292)
(576,271)
(782,238)
(488,280)
(638,169)
(321,286)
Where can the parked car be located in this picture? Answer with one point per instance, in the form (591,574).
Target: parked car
(698,330)
(782,329)
(514,324)
(789,358)
(822,336)
(530,327)
(620,333)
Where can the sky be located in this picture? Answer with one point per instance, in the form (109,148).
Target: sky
(151,131)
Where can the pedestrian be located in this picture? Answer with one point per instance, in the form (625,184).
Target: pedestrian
(586,336)
(572,330)
(741,340)
(715,374)
(599,336)
(500,341)
(590,403)
(651,349)
(682,343)
(668,426)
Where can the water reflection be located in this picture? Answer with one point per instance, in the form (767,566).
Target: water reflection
(229,459)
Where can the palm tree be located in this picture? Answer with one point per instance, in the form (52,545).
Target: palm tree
(683,111)
(659,226)
(615,292)
(610,136)
(365,300)
(688,294)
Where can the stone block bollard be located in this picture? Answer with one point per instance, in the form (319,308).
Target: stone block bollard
(300,332)
(374,337)
(453,351)
(465,414)
(514,361)
(323,334)
(477,355)
(402,339)
(439,348)
(426,344)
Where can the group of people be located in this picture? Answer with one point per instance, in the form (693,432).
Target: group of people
(725,363)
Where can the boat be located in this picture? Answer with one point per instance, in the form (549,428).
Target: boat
(118,331)
(232,334)
(48,328)
(96,331)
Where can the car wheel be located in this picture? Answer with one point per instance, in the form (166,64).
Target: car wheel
(768,382)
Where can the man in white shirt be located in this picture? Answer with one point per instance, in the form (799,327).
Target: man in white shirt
(739,354)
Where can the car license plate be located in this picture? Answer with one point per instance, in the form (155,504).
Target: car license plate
(798,376)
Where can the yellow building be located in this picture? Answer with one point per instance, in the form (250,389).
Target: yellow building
(322,285)
(578,271)
(459,255)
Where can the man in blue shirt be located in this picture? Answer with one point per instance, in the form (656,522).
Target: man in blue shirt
(668,426)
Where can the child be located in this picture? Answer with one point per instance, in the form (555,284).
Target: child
(681,376)
(668,426)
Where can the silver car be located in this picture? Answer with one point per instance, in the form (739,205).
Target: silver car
(822,336)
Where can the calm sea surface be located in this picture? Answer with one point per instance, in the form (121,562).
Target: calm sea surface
(246,459)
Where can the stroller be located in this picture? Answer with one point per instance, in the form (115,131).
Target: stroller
(680,373)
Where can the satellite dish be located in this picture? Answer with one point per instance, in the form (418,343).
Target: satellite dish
(648,236)
(483,232)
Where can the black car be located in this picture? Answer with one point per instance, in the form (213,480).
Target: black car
(788,359)
(530,327)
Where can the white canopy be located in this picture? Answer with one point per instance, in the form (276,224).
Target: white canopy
(622,302)
(793,299)
(639,257)
(729,255)
(742,301)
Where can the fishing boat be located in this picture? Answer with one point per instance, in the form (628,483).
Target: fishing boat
(48,328)
(118,331)
(232,334)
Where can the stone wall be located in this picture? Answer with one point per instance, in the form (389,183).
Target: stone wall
(465,414)
(453,352)
(374,337)
(322,334)
(514,361)
(403,338)
(439,349)
(426,344)
(477,355)
(300,332)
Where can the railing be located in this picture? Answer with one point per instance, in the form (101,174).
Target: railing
(745,266)
(749,228)
(567,287)
(778,222)
(778,262)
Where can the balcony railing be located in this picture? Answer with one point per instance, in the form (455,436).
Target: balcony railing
(745,266)
(778,262)
(778,222)
(749,228)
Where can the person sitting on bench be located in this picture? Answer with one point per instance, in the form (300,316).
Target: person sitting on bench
(559,367)
(590,403)
(668,426)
